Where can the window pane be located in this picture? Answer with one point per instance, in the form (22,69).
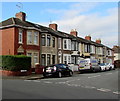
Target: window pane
(69,59)
(20,35)
(43,40)
(35,58)
(48,59)
(53,42)
(43,59)
(53,59)
(48,40)
(65,59)
(59,43)
(65,44)
(36,37)
(29,36)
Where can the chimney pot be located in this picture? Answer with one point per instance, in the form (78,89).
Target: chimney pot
(53,26)
(98,41)
(21,16)
(74,32)
(88,37)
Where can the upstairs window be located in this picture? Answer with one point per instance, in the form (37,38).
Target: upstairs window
(20,40)
(53,41)
(69,44)
(43,40)
(48,40)
(59,43)
(36,37)
(65,44)
(29,37)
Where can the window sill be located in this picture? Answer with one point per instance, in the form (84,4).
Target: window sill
(32,44)
(20,43)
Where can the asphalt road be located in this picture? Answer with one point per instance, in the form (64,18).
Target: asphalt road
(101,85)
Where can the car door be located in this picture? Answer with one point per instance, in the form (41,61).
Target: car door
(64,69)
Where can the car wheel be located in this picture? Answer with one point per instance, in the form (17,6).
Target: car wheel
(70,73)
(44,75)
(59,74)
(93,70)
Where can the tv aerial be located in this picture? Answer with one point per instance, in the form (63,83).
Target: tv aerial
(19,5)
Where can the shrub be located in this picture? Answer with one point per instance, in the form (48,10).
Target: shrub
(15,62)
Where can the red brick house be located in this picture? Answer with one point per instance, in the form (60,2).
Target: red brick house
(20,37)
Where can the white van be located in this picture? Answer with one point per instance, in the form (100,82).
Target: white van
(88,65)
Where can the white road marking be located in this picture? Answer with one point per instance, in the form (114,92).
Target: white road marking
(108,73)
(104,90)
(60,83)
(70,80)
(47,82)
(27,80)
(54,79)
(90,87)
(94,76)
(116,92)
(36,80)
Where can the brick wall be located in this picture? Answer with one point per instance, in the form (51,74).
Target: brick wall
(8,41)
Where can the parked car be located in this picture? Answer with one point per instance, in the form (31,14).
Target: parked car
(102,66)
(58,70)
(88,65)
(110,66)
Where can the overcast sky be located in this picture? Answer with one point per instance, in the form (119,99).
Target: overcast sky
(98,19)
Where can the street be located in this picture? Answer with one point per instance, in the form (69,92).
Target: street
(101,85)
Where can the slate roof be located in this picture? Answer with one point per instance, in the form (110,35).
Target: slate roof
(17,22)
(26,24)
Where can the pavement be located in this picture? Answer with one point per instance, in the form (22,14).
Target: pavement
(33,76)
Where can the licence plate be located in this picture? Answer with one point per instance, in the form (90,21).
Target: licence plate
(48,71)
(81,67)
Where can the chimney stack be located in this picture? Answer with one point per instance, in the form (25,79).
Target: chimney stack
(74,32)
(98,41)
(21,16)
(53,26)
(88,37)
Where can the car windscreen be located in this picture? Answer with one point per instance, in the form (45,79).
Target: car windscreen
(62,66)
(102,64)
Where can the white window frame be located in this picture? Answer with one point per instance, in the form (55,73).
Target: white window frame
(36,38)
(20,36)
(59,43)
(29,40)
(69,44)
(64,44)
(68,58)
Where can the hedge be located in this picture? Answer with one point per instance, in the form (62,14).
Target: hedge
(15,62)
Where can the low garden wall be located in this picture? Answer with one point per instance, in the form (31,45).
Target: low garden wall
(15,65)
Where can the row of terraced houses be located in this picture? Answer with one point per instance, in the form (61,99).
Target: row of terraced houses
(48,45)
